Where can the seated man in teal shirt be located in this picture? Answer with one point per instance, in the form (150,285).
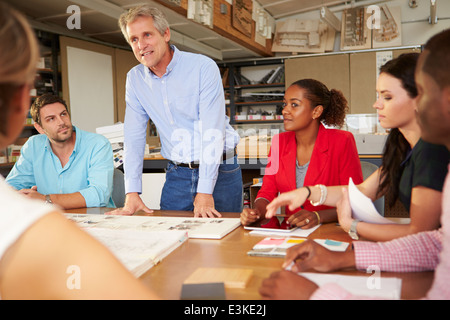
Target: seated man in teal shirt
(63,165)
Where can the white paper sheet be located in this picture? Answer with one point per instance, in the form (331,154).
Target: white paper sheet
(366,286)
(363,208)
(333,245)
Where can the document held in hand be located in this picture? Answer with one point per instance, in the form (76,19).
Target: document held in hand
(362,206)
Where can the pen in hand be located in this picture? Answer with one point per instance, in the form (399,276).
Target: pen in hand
(289,266)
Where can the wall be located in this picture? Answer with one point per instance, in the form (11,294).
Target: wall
(354,74)
(415,27)
(86,92)
(124,61)
(88,82)
(356,77)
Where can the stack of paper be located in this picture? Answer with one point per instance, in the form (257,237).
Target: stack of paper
(114,134)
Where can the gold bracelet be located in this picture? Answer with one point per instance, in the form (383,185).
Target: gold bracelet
(318,217)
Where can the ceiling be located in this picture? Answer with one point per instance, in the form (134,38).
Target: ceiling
(99,22)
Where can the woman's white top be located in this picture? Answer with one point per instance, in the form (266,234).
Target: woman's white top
(17,214)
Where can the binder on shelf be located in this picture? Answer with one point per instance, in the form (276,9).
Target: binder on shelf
(239,79)
(275,77)
(266,78)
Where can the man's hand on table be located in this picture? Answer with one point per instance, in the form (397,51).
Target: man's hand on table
(133,204)
(204,206)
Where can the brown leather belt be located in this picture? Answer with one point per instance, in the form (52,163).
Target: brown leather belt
(195,164)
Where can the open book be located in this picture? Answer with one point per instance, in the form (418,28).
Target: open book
(140,242)
(211,228)
(138,250)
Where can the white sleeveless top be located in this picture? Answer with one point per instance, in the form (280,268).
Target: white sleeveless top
(17,214)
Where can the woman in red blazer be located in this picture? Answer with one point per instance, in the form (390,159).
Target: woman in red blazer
(323,156)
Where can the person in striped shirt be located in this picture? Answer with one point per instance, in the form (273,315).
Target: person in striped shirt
(422,251)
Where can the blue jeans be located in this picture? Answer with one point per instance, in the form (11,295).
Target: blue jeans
(180,188)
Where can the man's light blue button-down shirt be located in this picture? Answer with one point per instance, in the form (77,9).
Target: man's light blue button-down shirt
(187,105)
(89,169)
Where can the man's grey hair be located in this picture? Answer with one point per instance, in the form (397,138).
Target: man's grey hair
(159,19)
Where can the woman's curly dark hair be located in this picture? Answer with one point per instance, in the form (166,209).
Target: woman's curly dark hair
(335,105)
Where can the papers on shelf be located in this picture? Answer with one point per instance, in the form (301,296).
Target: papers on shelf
(362,207)
(276,247)
(365,286)
(114,134)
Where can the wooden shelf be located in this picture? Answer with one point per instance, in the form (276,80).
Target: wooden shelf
(260,103)
(257,121)
(257,86)
(45,70)
(7,164)
(222,25)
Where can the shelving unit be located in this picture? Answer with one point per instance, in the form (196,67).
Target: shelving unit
(48,79)
(240,90)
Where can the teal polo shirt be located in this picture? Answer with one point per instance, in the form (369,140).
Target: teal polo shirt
(89,169)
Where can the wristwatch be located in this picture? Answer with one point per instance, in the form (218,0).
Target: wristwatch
(352,232)
(47,199)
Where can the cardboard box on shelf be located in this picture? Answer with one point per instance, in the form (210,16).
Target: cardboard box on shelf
(254,146)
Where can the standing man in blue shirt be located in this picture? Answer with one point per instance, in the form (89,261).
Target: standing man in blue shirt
(63,165)
(183,95)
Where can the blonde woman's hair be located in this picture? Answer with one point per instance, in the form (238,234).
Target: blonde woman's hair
(159,19)
(18,57)
(20,52)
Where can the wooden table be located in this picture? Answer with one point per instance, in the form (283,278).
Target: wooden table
(167,277)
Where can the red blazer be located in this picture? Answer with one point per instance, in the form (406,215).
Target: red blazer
(333,161)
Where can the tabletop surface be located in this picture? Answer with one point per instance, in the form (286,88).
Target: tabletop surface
(167,277)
